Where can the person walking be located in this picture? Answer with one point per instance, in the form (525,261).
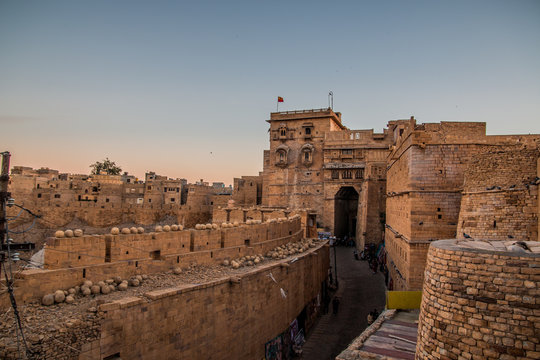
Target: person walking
(335,304)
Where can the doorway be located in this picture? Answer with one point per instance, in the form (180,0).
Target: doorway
(345,210)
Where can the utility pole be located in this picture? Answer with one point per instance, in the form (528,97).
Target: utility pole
(4,196)
(5,200)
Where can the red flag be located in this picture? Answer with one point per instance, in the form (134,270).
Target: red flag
(279,99)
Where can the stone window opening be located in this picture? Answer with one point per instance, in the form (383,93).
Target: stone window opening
(335,174)
(308,131)
(307,154)
(38,195)
(359,174)
(281,156)
(347,174)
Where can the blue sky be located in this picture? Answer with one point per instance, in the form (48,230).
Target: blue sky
(183,88)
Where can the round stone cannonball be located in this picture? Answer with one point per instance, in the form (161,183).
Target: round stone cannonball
(88,283)
(215,226)
(70,299)
(126,231)
(177,270)
(48,299)
(59,234)
(115,231)
(68,233)
(112,287)
(180,227)
(134,282)
(95,289)
(78,233)
(236,224)
(117,279)
(158,228)
(140,230)
(133,230)
(105,289)
(59,296)
(166,228)
(72,291)
(174,227)
(208,226)
(123,286)
(85,290)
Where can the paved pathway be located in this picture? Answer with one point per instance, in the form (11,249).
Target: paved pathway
(360,293)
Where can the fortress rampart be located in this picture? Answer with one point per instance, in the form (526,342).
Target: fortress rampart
(480,300)
(70,261)
(205,321)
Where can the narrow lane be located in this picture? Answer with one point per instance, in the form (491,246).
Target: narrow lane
(360,291)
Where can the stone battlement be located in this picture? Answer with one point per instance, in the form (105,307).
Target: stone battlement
(70,261)
(480,300)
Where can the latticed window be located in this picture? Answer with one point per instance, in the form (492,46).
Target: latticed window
(335,174)
(359,174)
(347,174)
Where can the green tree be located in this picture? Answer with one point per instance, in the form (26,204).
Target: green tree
(107,166)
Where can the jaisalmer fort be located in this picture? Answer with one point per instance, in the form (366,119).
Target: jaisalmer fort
(108,266)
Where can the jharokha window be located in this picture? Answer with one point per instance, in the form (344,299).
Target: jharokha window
(347,174)
(307,154)
(359,174)
(281,156)
(282,131)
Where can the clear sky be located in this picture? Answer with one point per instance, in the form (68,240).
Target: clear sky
(182,88)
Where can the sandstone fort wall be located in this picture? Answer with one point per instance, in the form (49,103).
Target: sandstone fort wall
(206,321)
(70,261)
(479,304)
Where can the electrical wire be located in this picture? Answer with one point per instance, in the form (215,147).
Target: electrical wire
(26,230)
(18,324)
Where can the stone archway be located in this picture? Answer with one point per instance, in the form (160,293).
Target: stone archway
(345,212)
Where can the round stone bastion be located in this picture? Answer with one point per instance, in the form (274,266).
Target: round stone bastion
(481,300)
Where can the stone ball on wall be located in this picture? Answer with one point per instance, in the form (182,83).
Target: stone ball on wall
(215,226)
(48,299)
(68,233)
(166,228)
(224,225)
(123,286)
(78,233)
(140,230)
(235,224)
(59,296)
(208,226)
(115,231)
(126,231)
(174,227)
(133,230)
(59,234)
(158,228)
(180,227)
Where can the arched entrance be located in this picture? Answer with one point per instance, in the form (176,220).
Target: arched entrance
(345,210)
